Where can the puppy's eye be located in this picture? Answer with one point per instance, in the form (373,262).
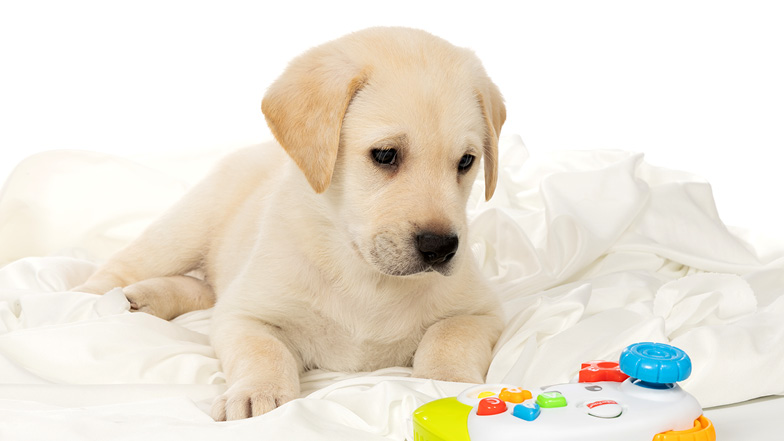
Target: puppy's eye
(384,156)
(465,163)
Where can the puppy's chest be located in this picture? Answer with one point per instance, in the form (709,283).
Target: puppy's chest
(346,336)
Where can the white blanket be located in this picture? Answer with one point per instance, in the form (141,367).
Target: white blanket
(589,251)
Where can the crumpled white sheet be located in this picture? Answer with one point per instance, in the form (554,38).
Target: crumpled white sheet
(589,251)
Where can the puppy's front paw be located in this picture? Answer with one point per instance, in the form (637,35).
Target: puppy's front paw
(458,374)
(246,399)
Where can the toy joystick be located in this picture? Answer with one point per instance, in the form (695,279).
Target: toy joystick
(655,365)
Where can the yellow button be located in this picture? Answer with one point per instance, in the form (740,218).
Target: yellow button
(485,394)
(514,395)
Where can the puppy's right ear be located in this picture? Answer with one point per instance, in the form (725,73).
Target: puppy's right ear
(305,107)
(494,112)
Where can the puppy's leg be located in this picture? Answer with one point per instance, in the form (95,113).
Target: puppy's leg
(261,370)
(180,240)
(172,245)
(458,348)
(169,297)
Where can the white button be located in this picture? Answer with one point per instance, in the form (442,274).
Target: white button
(604,409)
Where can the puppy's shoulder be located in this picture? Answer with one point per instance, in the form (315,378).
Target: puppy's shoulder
(252,159)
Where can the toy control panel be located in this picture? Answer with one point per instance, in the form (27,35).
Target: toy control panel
(637,398)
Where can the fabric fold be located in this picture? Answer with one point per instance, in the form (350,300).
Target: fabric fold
(588,251)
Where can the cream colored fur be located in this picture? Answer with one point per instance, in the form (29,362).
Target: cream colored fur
(308,244)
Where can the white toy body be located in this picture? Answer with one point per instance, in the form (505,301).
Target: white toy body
(636,399)
(638,413)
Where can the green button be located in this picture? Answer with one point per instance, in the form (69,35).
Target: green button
(549,400)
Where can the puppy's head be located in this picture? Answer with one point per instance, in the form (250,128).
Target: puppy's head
(391,124)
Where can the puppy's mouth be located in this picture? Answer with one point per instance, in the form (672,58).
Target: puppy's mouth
(424,253)
(444,269)
(413,269)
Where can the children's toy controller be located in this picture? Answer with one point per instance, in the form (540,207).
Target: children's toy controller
(636,399)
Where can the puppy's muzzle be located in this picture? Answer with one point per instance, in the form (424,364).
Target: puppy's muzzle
(436,249)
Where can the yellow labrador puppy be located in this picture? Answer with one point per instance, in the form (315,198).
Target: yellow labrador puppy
(344,249)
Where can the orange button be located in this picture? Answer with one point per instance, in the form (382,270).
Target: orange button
(514,395)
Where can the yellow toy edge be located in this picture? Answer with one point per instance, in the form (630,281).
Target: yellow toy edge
(442,420)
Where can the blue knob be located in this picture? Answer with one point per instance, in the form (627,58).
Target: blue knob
(656,363)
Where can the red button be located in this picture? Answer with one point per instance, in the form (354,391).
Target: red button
(491,406)
(594,371)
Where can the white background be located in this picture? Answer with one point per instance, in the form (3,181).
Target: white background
(697,86)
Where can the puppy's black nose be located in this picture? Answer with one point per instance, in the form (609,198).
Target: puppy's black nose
(436,248)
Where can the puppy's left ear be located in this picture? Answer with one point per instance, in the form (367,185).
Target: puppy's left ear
(494,112)
(305,107)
